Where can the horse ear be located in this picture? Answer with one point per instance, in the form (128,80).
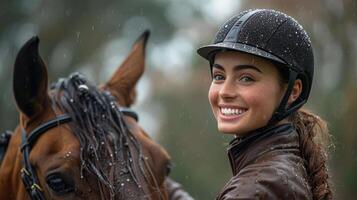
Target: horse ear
(123,81)
(30,80)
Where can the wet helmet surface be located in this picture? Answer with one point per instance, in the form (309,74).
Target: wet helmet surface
(272,35)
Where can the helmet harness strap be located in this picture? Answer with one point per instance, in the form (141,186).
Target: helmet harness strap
(283,110)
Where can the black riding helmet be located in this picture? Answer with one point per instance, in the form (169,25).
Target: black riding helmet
(275,36)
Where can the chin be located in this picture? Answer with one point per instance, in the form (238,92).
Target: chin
(232,130)
(228,130)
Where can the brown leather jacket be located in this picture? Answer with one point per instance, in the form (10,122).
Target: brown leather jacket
(267,165)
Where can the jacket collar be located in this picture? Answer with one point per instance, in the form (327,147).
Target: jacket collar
(242,151)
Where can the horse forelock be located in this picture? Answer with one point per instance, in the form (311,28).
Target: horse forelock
(105,141)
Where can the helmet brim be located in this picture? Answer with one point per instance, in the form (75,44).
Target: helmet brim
(209,50)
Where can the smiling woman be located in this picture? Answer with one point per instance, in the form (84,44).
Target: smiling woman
(244,92)
(262,69)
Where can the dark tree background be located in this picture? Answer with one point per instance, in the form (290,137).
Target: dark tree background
(93,37)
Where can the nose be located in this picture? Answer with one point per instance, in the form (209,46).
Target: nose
(228,90)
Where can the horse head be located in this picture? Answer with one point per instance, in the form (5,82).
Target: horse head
(86,146)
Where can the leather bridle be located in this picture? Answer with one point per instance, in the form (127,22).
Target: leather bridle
(28,173)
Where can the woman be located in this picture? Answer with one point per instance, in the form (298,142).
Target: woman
(262,69)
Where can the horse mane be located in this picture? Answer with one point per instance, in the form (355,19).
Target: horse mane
(102,133)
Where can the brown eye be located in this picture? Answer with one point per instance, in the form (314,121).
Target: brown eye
(58,184)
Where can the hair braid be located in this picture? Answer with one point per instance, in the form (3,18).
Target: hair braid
(314,136)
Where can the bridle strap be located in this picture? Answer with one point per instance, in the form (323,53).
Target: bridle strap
(34,134)
(129,112)
(4,143)
(28,174)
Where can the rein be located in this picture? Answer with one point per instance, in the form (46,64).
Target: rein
(28,173)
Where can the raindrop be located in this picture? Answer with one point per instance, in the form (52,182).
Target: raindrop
(93,28)
(127,180)
(257,192)
(110,164)
(102,142)
(122,184)
(124,170)
(71,100)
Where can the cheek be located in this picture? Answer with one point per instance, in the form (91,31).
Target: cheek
(212,94)
(263,100)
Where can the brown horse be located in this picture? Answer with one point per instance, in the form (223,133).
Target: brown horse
(76,141)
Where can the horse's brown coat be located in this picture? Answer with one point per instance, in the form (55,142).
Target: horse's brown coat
(58,148)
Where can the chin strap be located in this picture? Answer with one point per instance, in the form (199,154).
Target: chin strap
(283,110)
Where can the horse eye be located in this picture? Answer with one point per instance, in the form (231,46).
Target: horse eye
(168,168)
(59,184)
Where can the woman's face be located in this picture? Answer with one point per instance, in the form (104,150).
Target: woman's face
(244,93)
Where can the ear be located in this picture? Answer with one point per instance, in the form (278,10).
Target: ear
(296,91)
(30,80)
(122,83)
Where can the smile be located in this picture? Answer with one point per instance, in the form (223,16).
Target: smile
(232,111)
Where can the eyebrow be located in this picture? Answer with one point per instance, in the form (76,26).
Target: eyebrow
(238,67)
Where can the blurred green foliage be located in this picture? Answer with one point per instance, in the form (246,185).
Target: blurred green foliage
(87,35)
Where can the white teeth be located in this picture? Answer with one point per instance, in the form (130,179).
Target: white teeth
(232,111)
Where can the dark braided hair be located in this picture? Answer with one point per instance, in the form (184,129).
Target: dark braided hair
(314,141)
(314,137)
